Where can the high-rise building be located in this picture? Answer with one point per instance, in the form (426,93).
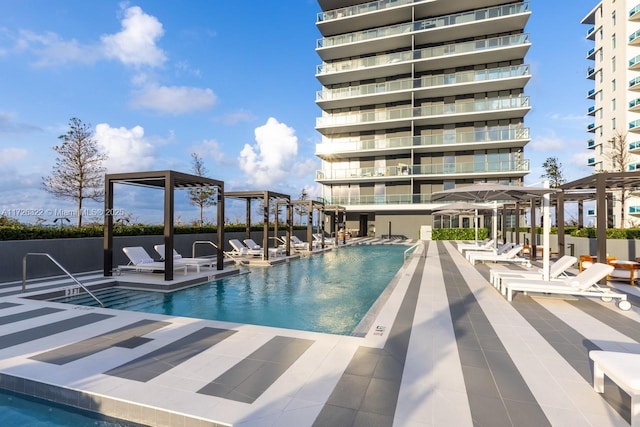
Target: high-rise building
(614,27)
(418,96)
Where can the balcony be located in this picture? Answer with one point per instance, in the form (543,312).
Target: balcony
(591,212)
(591,94)
(507,168)
(591,161)
(591,33)
(591,144)
(634,84)
(591,73)
(634,105)
(453,55)
(634,126)
(501,19)
(591,111)
(634,147)
(634,14)
(504,137)
(634,210)
(592,53)
(634,39)
(488,80)
(591,127)
(498,108)
(634,167)
(389,199)
(634,63)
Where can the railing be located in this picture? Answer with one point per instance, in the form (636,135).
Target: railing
(360,9)
(425,24)
(500,133)
(406,252)
(479,106)
(204,242)
(462,77)
(24,274)
(443,51)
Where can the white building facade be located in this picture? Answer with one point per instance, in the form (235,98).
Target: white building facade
(417,97)
(614,28)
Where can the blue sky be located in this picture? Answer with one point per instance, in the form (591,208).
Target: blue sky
(231,81)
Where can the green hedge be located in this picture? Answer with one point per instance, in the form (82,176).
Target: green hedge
(458,234)
(612,233)
(25,232)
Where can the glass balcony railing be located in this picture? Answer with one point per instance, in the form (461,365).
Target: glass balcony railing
(591,144)
(360,9)
(591,54)
(475,46)
(591,110)
(591,94)
(634,126)
(591,161)
(635,61)
(634,210)
(388,199)
(633,13)
(462,107)
(634,37)
(591,72)
(634,146)
(590,31)
(426,24)
(480,136)
(425,82)
(484,167)
(591,127)
(634,104)
(634,167)
(634,83)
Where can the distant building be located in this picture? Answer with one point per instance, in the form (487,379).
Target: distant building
(614,27)
(417,97)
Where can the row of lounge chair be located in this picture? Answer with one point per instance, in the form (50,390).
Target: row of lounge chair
(583,284)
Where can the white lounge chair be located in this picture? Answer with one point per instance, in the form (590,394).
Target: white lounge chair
(251,244)
(298,244)
(140,260)
(490,250)
(509,256)
(584,284)
(558,269)
(241,250)
(189,262)
(485,244)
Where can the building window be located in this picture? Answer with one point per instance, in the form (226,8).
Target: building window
(613,104)
(448,185)
(613,85)
(613,124)
(613,18)
(613,64)
(613,41)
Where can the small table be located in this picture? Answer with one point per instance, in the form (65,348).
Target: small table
(590,259)
(624,270)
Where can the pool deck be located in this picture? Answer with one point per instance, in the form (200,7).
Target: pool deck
(444,349)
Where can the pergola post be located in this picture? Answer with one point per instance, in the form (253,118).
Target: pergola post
(168,226)
(560,223)
(601,216)
(265,226)
(248,225)
(532,242)
(108,228)
(220,229)
(517,223)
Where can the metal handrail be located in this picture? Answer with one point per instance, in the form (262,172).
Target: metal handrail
(193,246)
(24,274)
(409,249)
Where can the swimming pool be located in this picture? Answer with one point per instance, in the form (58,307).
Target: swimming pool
(23,411)
(328,292)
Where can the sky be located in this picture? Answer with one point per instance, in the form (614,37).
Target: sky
(234,82)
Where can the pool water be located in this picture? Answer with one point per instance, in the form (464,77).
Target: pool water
(328,292)
(23,412)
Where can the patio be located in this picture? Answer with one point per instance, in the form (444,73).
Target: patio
(445,349)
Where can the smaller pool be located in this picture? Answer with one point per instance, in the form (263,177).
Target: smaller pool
(21,411)
(329,293)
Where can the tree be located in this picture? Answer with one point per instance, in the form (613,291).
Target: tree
(553,172)
(300,209)
(78,173)
(202,197)
(620,157)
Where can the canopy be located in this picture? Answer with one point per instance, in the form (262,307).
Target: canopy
(501,192)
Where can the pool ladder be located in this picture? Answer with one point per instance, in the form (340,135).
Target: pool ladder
(24,274)
(407,251)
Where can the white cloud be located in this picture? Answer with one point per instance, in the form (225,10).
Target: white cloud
(52,50)
(235,117)
(272,159)
(548,143)
(128,150)
(173,99)
(11,154)
(136,43)
(210,148)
